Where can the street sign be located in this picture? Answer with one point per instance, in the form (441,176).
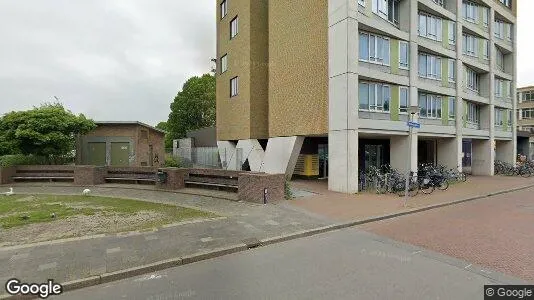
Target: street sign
(414,125)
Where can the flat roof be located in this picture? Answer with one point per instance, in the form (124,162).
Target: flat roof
(129,123)
(526,88)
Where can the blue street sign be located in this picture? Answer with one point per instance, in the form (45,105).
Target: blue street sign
(414,125)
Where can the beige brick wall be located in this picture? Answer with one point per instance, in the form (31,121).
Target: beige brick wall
(298,68)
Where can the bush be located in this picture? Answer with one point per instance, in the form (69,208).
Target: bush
(19,159)
(171,162)
(288,192)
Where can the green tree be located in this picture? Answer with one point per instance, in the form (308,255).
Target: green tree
(168,139)
(48,131)
(162,126)
(193,107)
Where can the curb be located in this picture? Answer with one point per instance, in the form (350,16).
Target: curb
(179,261)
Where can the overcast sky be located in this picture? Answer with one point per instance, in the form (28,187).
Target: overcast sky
(125,59)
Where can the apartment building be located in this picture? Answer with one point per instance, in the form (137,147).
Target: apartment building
(525,123)
(342,78)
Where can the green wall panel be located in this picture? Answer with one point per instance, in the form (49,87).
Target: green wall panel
(445,36)
(445,110)
(445,72)
(465,113)
(395,103)
(394,51)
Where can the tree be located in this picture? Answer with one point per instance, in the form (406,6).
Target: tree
(162,126)
(193,107)
(168,140)
(48,131)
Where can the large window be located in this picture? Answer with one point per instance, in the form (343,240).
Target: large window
(374,96)
(472,80)
(507,3)
(452,33)
(429,66)
(469,10)
(430,26)
(404,56)
(527,113)
(498,87)
(499,29)
(361,2)
(499,59)
(234,86)
(387,10)
(469,45)
(224,9)
(429,106)
(404,99)
(452,108)
(485,16)
(374,48)
(452,70)
(224,63)
(499,117)
(234,27)
(528,96)
(485,49)
(473,113)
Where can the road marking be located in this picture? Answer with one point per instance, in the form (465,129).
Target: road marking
(468,266)
(417,252)
(113,250)
(19,256)
(47,266)
(150,277)
(206,239)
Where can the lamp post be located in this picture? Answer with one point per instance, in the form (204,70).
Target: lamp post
(412,111)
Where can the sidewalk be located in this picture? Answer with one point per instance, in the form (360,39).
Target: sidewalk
(342,207)
(81,258)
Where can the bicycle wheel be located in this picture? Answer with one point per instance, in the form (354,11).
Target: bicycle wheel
(427,186)
(463,177)
(413,189)
(444,185)
(525,173)
(400,188)
(381,187)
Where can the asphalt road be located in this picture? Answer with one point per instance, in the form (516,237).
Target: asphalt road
(345,264)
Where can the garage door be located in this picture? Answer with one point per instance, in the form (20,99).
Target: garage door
(97,154)
(120,154)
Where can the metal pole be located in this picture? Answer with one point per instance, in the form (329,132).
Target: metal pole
(409,163)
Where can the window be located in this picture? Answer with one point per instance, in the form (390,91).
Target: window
(507,3)
(374,48)
(452,70)
(470,13)
(387,10)
(528,96)
(473,113)
(430,26)
(404,99)
(361,2)
(469,45)
(224,63)
(472,79)
(499,59)
(439,2)
(499,29)
(510,117)
(224,9)
(374,96)
(499,116)
(485,16)
(485,49)
(452,33)
(509,34)
(234,86)
(498,87)
(452,108)
(404,56)
(527,113)
(429,66)
(430,106)
(234,30)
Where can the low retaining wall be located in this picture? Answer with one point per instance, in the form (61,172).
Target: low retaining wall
(251,186)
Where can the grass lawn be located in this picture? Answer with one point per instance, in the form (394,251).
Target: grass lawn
(20,210)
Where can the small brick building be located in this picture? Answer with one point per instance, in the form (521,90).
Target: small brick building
(122,144)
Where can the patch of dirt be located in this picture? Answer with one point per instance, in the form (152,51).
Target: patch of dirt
(75,226)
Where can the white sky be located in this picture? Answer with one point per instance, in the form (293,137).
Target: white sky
(126,59)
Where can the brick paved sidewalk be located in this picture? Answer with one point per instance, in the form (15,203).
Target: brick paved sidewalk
(342,207)
(87,257)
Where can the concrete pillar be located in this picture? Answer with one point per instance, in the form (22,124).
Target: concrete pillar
(513,86)
(504,151)
(492,64)
(281,155)
(448,152)
(252,151)
(459,85)
(343,40)
(482,159)
(399,146)
(414,79)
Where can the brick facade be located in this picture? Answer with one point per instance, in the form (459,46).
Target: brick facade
(6,174)
(252,187)
(89,175)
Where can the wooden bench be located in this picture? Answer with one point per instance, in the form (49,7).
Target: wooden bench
(137,177)
(216,181)
(44,175)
